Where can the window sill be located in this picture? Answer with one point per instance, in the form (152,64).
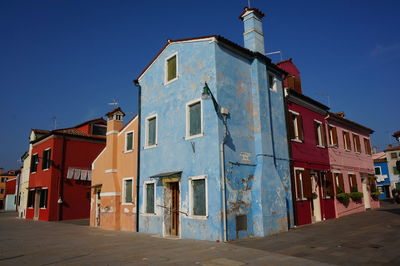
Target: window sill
(148,214)
(194,136)
(301,199)
(170,81)
(129,151)
(33,173)
(199,217)
(150,147)
(45,169)
(357,152)
(127,204)
(297,140)
(347,150)
(43,208)
(321,147)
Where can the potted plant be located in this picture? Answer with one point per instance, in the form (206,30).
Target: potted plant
(343,197)
(375,193)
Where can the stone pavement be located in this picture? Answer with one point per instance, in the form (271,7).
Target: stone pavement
(27,242)
(369,238)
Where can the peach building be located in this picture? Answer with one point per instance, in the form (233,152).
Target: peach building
(351,163)
(114,171)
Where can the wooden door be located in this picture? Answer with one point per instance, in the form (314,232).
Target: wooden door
(174,208)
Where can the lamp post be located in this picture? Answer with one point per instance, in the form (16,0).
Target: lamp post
(222,113)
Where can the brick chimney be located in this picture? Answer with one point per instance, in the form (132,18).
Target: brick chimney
(114,126)
(253,31)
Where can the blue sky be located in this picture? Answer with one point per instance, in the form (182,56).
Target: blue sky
(68,59)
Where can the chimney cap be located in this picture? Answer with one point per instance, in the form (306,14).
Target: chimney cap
(115,111)
(247,10)
(341,114)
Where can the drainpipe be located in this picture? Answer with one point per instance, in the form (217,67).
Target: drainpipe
(222,156)
(292,173)
(137,84)
(61,185)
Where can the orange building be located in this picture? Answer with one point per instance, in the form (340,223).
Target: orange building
(114,171)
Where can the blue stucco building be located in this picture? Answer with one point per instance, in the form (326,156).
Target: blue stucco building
(382,176)
(216,168)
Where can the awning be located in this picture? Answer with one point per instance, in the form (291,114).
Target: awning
(167,174)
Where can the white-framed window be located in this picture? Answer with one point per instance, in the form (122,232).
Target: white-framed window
(171,68)
(198,196)
(333,138)
(346,140)
(378,170)
(129,137)
(194,119)
(151,131)
(127,191)
(299,184)
(34,162)
(357,143)
(319,129)
(43,198)
(31,198)
(149,198)
(272,82)
(296,127)
(46,159)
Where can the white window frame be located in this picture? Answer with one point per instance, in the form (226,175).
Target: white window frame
(380,169)
(188,119)
(345,144)
(355,144)
(274,86)
(301,185)
(124,191)
(37,165)
(133,141)
(166,81)
(320,143)
(44,188)
(145,183)
(295,127)
(43,159)
(34,199)
(146,146)
(331,136)
(191,215)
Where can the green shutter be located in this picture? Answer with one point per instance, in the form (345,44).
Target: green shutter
(171,64)
(150,198)
(129,141)
(128,191)
(199,197)
(152,132)
(195,119)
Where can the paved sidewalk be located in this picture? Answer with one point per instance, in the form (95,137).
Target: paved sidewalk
(26,242)
(367,238)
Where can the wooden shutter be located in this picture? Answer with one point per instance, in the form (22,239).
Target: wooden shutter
(290,82)
(329,184)
(300,127)
(307,187)
(316,133)
(341,182)
(297,84)
(335,138)
(354,180)
(348,140)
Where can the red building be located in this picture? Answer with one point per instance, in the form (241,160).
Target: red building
(60,176)
(312,183)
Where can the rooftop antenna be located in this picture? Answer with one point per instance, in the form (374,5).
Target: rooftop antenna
(54,118)
(276,52)
(114,103)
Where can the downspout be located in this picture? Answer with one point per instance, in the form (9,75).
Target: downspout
(223,179)
(292,173)
(61,185)
(137,84)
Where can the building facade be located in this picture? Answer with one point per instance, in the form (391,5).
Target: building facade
(4,176)
(10,199)
(382,175)
(312,182)
(60,171)
(216,168)
(114,171)
(351,163)
(393,159)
